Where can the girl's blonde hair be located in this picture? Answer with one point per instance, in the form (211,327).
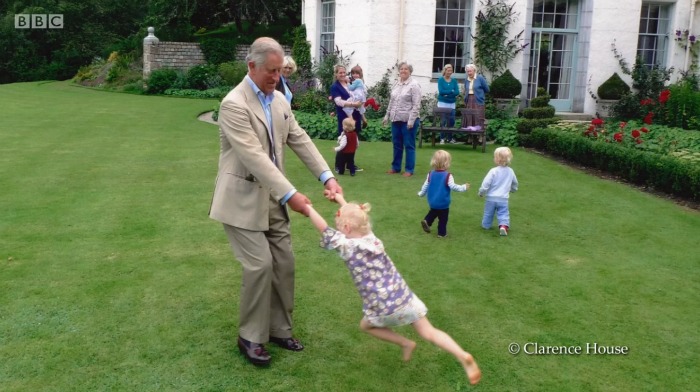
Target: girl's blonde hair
(441,160)
(355,216)
(502,156)
(349,124)
(445,67)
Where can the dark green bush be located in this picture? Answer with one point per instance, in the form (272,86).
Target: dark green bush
(218,50)
(613,88)
(682,109)
(233,72)
(301,51)
(505,86)
(313,101)
(161,80)
(541,112)
(526,125)
(202,77)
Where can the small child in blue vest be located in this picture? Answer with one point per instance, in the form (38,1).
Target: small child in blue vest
(438,186)
(347,145)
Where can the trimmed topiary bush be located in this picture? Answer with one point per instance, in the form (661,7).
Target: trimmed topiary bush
(505,86)
(613,88)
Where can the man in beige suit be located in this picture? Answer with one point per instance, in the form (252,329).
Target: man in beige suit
(251,195)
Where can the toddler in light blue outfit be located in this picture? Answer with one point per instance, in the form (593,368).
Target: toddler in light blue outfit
(496,187)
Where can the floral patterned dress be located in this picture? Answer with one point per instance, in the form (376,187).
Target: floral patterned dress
(386,298)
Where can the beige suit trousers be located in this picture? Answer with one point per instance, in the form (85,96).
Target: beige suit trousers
(267,289)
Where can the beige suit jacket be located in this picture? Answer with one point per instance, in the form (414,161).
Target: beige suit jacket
(247,177)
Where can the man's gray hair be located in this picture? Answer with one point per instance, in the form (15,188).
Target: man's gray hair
(470,66)
(261,48)
(409,66)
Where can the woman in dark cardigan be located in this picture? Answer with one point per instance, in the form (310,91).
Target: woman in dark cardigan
(340,96)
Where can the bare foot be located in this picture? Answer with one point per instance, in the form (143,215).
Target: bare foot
(408,350)
(472,369)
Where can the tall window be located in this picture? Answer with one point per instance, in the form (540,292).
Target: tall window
(452,35)
(327,27)
(653,34)
(555,14)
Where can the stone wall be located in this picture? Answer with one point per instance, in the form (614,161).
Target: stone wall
(179,55)
(176,55)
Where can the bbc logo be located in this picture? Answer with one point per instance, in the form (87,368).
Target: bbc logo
(38,21)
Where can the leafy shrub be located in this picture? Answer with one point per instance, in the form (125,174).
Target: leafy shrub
(543,112)
(324,126)
(202,77)
(301,51)
(218,50)
(505,86)
(613,88)
(503,131)
(313,101)
(682,109)
(161,80)
(233,72)
(526,125)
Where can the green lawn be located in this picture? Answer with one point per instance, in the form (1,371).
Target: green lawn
(112,277)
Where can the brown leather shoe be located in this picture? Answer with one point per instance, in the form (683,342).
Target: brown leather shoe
(255,353)
(287,343)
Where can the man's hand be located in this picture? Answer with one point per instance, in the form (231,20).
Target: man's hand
(298,202)
(332,188)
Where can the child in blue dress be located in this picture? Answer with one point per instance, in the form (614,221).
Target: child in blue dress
(437,186)
(387,301)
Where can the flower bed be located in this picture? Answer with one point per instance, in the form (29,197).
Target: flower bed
(666,159)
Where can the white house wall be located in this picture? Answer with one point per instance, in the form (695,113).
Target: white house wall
(374,31)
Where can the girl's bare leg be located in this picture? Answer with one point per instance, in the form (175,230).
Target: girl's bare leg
(386,334)
(445,342)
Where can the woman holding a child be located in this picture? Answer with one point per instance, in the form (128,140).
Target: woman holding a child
(340,94)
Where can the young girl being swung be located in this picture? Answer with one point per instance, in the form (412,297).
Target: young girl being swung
(387,301)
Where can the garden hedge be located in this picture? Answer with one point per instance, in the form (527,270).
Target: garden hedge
(661,172)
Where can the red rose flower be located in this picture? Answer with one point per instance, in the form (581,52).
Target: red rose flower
(618,137)
(663,97)
(638,140)
(597,121)
(636,133)
(591,128)
(623,124)
(643,129)
(645,102)
(648,118)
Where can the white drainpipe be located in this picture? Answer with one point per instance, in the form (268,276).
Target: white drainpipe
(401,24)
(690,26)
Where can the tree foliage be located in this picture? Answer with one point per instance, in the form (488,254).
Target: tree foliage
(95,28)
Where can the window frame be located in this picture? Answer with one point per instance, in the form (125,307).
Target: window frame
(654,46)
(326,28)
(467,8)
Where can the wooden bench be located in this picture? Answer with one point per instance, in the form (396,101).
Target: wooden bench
(469,126)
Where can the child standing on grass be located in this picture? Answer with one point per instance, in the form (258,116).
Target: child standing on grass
(347,145)
(387,301)
(437,186)
(497,186)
